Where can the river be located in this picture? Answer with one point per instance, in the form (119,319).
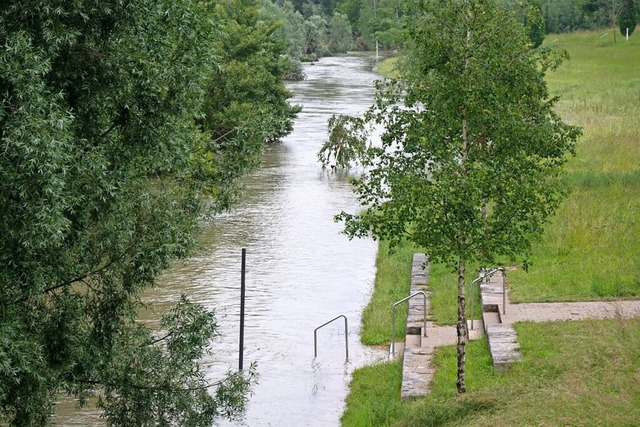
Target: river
(301,271)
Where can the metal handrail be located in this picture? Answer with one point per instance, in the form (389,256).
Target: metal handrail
(393,318)
(483,275)
(346,340)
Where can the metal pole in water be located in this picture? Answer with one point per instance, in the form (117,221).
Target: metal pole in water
(242,295)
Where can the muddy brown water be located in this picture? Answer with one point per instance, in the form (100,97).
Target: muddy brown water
(301,271)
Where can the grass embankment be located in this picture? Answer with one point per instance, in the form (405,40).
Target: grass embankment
(591,250)
(567,377)
(573,373)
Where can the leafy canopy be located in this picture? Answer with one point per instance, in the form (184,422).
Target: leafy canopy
(102,177)
(472,151)
(471,157)
(348,137)
(628,17)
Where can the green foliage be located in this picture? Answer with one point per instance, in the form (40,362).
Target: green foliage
(246,101)
(381,21)
(470,166)
(102,176)
(315,32)
(530,14)
(290,32)
(347,141)
(340,37)
(569,15)
(478,130)
(628,18)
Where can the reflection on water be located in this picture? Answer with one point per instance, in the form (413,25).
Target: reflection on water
(301,271)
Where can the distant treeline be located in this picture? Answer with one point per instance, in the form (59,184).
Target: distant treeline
(561,16)
(316,28)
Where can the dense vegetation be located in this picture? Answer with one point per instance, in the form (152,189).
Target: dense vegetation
(320,27)
(589,251)
(121,125)
(470,168)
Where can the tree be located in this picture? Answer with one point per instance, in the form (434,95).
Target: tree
(101,189)
(347,141)
(471,157)
(530,14)
(290,32)
(381,21)
(340,34)
(627,19)
(246,101)
(534,22)
(315,32)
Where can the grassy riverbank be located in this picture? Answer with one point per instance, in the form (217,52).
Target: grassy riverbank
(576,378)
(581,373)
(591,250)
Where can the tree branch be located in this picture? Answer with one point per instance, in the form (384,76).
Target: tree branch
(84,276)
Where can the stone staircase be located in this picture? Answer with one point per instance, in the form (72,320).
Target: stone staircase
(498,317)
(417,350)
(416,369)
(501,337)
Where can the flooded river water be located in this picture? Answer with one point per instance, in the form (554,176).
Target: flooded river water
(301,272)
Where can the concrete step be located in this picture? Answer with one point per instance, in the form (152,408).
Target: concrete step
(490,318)
(417,372)
(503,345)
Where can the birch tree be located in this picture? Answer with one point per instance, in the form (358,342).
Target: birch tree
(471,158)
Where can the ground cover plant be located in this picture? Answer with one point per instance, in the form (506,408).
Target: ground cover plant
(582,373)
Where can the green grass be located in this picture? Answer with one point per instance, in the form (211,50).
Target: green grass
(386,68)
(392,283)
(591,249)
(374,399)
(573,373)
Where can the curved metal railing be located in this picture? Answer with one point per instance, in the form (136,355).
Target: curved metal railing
(393,319)
(346,340)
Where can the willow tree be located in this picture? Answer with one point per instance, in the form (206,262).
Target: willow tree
(471,157)
(101,188)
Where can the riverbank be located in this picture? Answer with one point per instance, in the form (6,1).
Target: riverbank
(580,372)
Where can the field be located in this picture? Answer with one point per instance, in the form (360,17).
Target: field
(581,373)
(591,250)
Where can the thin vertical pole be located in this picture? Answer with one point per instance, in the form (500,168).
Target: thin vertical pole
(504,293)
(242,295)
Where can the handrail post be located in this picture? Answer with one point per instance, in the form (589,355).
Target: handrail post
(504,293)
(484,274)
(346,338)
(473,300)
(393,318)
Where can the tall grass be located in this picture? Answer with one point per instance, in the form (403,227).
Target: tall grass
(591,249)
(392,283)
(573,373)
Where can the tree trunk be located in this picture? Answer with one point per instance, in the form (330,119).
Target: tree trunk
(614,13)
(461,327)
